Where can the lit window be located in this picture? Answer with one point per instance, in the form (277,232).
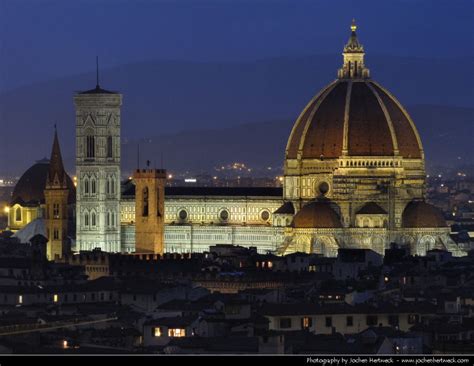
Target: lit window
(176,332)
(20,299)
(270,264)
(306,322)
(157,332)
(55,298)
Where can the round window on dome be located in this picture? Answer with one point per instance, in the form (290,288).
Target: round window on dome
(183,215)
(224,215)
(265,215)
(323,188)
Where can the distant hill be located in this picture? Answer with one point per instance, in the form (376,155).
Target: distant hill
(166,97)
(447,135)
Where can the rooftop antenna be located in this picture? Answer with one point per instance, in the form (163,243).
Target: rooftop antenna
(138,155)
(97,71)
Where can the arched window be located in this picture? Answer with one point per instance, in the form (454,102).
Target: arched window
(107,186)
(109,146)
(93,188)
(18,214)
(56,210)
(86,219)
(90,146)
(112,185)
(93,222)
(145,202)
(113,219)
(86,186)
(108,218)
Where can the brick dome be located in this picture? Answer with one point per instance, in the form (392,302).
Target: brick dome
(317,215)
(29,190)
(419,214)
(353,117)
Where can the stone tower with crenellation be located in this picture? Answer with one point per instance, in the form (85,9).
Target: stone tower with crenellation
(149,210)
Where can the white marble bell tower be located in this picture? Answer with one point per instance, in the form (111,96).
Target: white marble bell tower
(98,169)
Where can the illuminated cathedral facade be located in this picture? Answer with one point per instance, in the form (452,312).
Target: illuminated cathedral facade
(354,177)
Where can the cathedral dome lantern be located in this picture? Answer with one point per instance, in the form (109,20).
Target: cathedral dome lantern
(353,54)
(354,116)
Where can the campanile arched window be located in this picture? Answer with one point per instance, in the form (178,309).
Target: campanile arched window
(86,185)
(109,146)
(90,147)
(93,186)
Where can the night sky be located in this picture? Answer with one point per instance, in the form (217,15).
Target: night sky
(41,41)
